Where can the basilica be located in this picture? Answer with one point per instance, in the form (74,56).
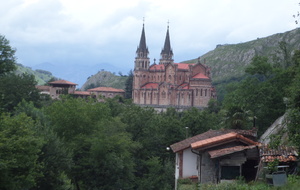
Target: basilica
(170,84)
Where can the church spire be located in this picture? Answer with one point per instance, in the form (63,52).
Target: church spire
(143,47)
(142,60)
(166,53)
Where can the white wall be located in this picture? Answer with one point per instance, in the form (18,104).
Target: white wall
(189,163)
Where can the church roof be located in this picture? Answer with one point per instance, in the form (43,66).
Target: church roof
(142,47)
(157,67)
(150,85)
(200,76)
(167,46)
(181,66)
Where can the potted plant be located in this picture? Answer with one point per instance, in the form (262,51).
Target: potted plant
(275,177)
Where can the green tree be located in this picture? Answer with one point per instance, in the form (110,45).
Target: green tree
(199,121)
(20,148)
(101,147)
(7,56)
(14,88)
(261,94)
(294,102)
(129,85)
(260,66)
(55,156)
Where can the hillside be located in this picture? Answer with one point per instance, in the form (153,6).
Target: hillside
(41,76)
(229,60)
(104,78)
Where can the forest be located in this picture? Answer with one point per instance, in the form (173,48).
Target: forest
(80,144)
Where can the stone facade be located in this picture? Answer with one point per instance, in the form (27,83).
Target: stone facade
(170,84)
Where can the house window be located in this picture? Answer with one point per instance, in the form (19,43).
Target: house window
(230,172)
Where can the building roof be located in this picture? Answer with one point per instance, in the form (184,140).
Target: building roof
(83,93)
(183,66)
(62,82)
(282,153)
(227,151)
(184,144)
(143,47)
(221,139)
(184,86)
(167,45)
(157,67)
(105,89)
(200,76)
(43,88)
(150,85)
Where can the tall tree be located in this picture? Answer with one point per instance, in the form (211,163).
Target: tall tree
(7,56)
(14,88)
(20,147)
(129,85)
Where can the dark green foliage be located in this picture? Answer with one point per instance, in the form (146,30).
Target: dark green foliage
(294,103)
(20,147)
(7,56)
(15,88)
(198,121)
(129,85)
(260,94)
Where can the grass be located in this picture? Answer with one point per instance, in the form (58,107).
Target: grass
(293,183)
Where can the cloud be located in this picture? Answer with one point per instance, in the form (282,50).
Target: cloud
(93,31)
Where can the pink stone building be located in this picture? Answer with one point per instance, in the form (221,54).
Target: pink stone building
(170,84)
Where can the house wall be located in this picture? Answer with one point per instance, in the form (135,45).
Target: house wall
(208,169)
(189,163)
(108,94)
(56,91)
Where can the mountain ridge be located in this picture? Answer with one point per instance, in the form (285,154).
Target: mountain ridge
(230,60)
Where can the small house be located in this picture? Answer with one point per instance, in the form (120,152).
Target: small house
(217,155)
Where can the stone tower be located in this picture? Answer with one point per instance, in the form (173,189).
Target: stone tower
(166,55)
(141,63)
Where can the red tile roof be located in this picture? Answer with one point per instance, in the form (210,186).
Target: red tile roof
(62,82)
(200,76)
(183,66)
(157,67)
(227,151)
(105,89)
(282,153)
(222,139)
(184,144)
(150,86)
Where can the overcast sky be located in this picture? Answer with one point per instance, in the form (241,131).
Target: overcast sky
(108,31)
